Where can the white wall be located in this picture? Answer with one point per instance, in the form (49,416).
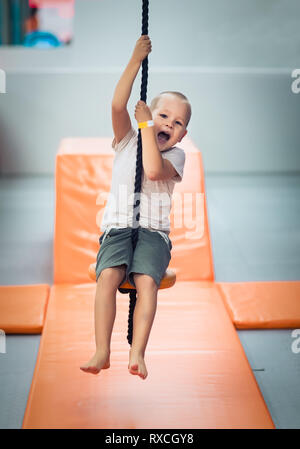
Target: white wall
(232,58)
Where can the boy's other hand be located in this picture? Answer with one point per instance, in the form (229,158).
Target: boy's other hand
(142,112)
(142,48)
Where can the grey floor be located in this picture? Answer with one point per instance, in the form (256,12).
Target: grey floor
(255,231)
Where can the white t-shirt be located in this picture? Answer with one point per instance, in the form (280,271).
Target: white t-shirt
(155,198)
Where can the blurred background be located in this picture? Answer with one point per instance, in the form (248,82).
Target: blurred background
(232,58)
(234,61)
(36,23)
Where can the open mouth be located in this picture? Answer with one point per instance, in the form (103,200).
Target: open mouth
(163,137)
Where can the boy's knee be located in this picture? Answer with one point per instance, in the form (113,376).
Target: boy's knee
(112,274)
(144,281)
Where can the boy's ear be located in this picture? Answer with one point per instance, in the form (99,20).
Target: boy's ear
(185,132)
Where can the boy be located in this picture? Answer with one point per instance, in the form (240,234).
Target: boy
(163,165)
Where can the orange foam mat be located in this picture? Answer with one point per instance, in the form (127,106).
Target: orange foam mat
(83,177)
(23,308)
(198,374)
(262,305)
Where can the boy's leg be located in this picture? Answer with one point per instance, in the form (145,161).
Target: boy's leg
(105,313)
(150,261)
(143,317)
(105,305)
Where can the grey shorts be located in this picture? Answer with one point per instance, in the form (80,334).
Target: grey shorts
(151,256)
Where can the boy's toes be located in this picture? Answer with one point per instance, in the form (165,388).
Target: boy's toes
(84,368)
(90,369)
(143,375)
(93,370)
(133,369)
(95,365)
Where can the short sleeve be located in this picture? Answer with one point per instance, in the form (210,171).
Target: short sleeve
(177,158)
(125,141)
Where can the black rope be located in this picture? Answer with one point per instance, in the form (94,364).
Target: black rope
(138,176)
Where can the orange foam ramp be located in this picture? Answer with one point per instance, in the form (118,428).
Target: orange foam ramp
(262,305)
(23,308)
(198,374)
(83,177)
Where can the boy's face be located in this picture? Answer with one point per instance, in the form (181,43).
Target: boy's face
(169,119)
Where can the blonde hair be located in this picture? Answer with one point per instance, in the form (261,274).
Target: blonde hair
(179,95)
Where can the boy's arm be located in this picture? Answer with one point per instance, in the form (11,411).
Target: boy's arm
(155,166)
(120,117)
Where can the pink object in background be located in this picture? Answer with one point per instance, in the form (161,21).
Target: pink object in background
(65,7)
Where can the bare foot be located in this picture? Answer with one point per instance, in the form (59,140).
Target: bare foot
(137,365)
(99,361)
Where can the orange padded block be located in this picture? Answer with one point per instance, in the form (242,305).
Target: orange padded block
(23,308)
(198,374)
(262,305)
(83,177)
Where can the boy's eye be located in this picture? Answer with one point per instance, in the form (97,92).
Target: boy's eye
(164,115)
